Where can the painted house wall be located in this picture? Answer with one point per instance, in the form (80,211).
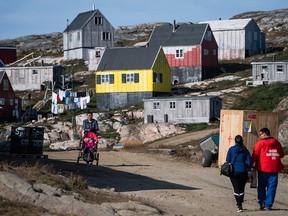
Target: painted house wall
(10,105)
(268,72)
(237,39)
(118,94)
(77,43)
(8,54)
(203,109)
(33,78)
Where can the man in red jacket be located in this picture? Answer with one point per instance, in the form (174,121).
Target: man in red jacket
(267,154)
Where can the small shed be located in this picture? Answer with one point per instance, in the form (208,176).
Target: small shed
(34,78)
(269,71)
(189,109)
(246,123)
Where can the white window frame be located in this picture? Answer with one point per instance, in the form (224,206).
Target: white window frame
(179,53)
(130,77)
(172,104)
(279,68)
(106,36)
(188,104)
(105,79)
(156,105)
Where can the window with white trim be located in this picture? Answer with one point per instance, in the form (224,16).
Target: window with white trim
(179,53)
(98,20)
(105,79)
(172,105)
(279,69)
(188,104)
(157,77)
(106,36)
(156,105)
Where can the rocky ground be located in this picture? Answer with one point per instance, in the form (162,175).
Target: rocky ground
(163,184)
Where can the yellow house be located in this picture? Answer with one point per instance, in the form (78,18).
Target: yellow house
(126,76)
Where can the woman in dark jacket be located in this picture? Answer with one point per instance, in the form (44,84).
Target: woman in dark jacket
(240,157)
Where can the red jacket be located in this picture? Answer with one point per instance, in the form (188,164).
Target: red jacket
(267,154)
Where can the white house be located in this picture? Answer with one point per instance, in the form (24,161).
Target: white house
(237,38)
(269,71)
(190,109)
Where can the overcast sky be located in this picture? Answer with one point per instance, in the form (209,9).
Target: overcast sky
(26,17)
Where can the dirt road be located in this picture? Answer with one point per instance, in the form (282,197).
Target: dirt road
(177,187)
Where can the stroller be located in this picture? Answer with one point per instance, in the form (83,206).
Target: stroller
(89,148)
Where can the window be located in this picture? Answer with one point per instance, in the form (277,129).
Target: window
(106,36)
(11,101)
(255,36)
(188,104)
(78,36)
(157,77)
(206,52)
(70,37)
(34,72)
(5,85)
(279,69)
(105,79)
(2,101)
(214,52)
(97,54)
(98,20)
(179,53)
(156,105)
(208,36)
(130,78)
(172,104)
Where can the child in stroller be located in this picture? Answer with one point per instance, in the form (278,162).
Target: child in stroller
(89,148)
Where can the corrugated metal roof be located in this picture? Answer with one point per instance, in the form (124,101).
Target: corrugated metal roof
(185,34)
(132,58)
(182,98)
(233,24)
(81,20)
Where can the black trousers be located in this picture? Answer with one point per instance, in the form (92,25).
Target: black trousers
(239,180)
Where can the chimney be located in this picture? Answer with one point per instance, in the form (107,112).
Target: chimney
(174,25)
(93,6)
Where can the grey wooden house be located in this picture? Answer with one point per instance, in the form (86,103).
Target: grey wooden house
(237,38)
(269,71)
(88,30)
(190,109)
(34,78)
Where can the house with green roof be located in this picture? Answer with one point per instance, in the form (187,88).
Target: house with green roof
(126,76)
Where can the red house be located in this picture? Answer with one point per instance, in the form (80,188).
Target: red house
(10,105)
(191,50)
(8,54)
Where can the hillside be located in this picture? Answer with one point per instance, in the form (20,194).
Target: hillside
(273,23)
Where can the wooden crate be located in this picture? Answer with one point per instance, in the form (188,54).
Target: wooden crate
(246,123)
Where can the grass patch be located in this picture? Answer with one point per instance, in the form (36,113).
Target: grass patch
(264,98)
(199,126)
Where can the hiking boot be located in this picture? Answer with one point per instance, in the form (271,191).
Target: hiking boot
(268,208)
